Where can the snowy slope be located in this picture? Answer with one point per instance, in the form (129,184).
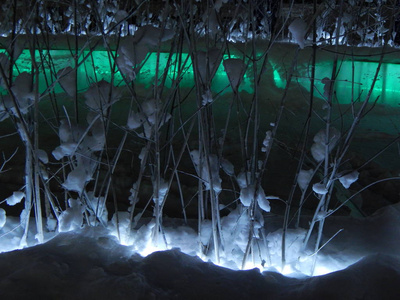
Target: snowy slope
(90,263)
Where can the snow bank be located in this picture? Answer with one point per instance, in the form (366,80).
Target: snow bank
(90,264)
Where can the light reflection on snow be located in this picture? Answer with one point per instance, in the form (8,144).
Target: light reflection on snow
(288,270)
(9,241)
(322,270)
(186,240)
(343,251)
(149,249)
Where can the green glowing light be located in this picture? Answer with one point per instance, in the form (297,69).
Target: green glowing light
(354,85)
(99,65)
(279,82)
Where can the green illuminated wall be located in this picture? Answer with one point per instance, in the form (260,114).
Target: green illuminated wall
(98,65)
(353,81)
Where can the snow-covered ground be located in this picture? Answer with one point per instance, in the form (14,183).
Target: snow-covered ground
(91,263)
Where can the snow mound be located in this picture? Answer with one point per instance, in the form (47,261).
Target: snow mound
(373,277)
(98,267)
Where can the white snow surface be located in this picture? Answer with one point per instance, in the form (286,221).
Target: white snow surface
(15,198)
(304,178)
(3,217)
(90,263)
(348,179)
(318,148)
(319,188)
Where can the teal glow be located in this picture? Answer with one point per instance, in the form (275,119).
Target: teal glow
(348,89)
(99,65)
(279,82)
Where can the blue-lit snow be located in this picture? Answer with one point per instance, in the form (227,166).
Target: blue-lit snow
(90,263)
